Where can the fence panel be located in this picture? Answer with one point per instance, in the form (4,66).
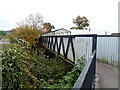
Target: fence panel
(83,47)
(107,49)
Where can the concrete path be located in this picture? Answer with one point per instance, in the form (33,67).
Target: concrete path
(107,76)
(4,41)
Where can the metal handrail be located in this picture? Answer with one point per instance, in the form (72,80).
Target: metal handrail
(82,79)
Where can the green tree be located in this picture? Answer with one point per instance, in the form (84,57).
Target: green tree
(81,22)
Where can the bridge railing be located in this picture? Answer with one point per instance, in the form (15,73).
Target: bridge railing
(71,48)
(87,77)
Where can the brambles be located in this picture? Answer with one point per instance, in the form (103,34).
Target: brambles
(22,67)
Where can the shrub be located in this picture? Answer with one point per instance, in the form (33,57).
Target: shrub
(15,66)
(26,34)
(22,67)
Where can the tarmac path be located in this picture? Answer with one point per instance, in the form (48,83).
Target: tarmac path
(107,76)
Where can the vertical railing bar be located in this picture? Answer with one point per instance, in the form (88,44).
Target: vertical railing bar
(94,43)
(57,43)
(67,49)
(73,50)
(51,43)
(54,44)
(63,48)
(59,46)
(48,42)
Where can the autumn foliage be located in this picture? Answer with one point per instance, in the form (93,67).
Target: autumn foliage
(29,29)
(26,34)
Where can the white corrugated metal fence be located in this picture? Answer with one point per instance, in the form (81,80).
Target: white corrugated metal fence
(107,49)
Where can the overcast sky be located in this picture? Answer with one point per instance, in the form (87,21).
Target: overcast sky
(102,14)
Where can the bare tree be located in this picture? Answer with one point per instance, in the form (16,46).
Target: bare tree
(32,21)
